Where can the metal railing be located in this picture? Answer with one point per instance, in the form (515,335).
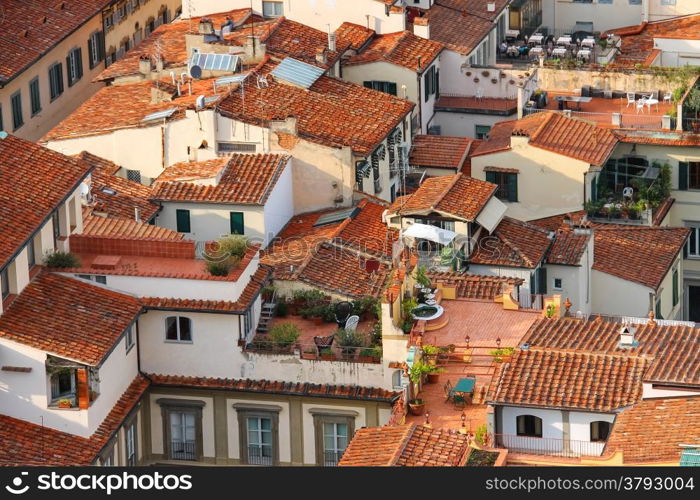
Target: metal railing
(311,351)
(183,450)
(555,447)
(331,458)
(259,455)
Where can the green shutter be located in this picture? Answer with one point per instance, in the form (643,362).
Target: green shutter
(491,177)
(594,189)
(675,288)
(683,175)
(368,85)
(512,187)
(237,226)
(391,88)
(183,221)
(542,280)
(79,63)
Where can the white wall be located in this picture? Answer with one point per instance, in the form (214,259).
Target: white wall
(617,297)
(464,124)
(648,391)
(157,422)
(604,16)
(309,431)
(279,206)
(211,221)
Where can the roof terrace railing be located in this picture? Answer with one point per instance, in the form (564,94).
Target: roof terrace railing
(567,448)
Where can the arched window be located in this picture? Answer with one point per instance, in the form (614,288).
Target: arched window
(529,425)
(600,429)
(178,329)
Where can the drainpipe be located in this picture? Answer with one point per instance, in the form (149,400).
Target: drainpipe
(420,97)
(645,11)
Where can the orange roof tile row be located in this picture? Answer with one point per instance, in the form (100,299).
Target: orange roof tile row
(554,132)
(35,180)
(456,195)
(405,446)
(353,36)
(401,48)
(640,254)
(512,243)
(568,379)
(685,139)
(474,286)
(497,105)
(271,387)
(244,179)
(439,151)
(652,429)
(68,317)
(674,351)
(94,225)
(568,247)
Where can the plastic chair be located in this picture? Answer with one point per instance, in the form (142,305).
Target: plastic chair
(668,97)
(630,99)
(640,105)
(351,323)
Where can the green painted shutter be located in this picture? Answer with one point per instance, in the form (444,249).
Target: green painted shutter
(92,63)
(237,226)
(391,88)
(683,175)
(542,280)
(183,221)
(79,63)
(675,287)
(491,177)
(512,187)
(594,190)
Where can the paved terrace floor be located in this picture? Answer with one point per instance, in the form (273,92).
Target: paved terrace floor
(308,329)
(484,322)
(600,110)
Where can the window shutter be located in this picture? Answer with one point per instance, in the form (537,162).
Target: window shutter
(91,62)
(426,87)
(683,175)
(594,190)
(70,76)
(513,187)
(183,221)
(391,88)
(79,63)
(437,84)
(237,225)
(542,288)
(491,177)
(100,46)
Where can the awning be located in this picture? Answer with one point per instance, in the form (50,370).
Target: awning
(431,233)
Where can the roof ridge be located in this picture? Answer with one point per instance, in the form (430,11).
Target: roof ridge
(545,122)
(404,443)
(447,189)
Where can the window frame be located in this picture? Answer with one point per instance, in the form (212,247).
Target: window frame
(597,433)
(182,212)
(129,337)
(245,411)
(194,406)
(16,108)
(554,284)
(276,4)
(528,426)
(324,416)
(477,134)
(506,191)
(34,96)
(231,222)
(693,175)
(693,238)
(31,254)
(56,76)
(74,65)
(384,86)
(130,430)
(96,49)
(177,330)
(676,287)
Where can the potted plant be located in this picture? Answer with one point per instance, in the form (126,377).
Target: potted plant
(366,355)
(65,403)
(283,336)
(327,354)
(430,352)
(501,355)
(416,405)
(348,341)
(550,311)
(309,354)
(433,374)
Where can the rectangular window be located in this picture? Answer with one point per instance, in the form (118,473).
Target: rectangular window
(693,248)
(4,283)
(557,283)
(237,226)
(529,425)
(260,450)
(657,308)
(31,257)
(381,86)
(668,2)
(235,147)
(63,385)
(600,430)
(183,221)
(693,175)
(635,2)
(335,440)
(34,96)
(604,1)
(183,432)
(129,338)
(56,223)
(56,80)
(17,118)
(675,287)
(481,131)
(272,9)
(178,329)
(507,185)
(429,83)
(131,444)
(96,49)
(74,65)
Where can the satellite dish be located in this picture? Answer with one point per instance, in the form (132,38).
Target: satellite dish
(196,71)
(84,189)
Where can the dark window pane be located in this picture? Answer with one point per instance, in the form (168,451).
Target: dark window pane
(171,328)
(185,329)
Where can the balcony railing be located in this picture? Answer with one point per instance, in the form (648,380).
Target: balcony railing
(183,450)
(259,455)
(331,458)
(555,447)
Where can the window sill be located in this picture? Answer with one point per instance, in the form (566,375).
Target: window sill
(178,342)
(56,407)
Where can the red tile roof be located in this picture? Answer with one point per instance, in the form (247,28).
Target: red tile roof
(673,351)
(568,247)
(462,24)
(331,112)
(32,29)
(454,195)
(353,36)
(405,446)
(280,388)
(242,179)
(474,286)
(554,222)
(514,244)
(35,181)
(94,225)
(652,429)
(640,254)
(69,317)
(568,379)
(402,48)
(655,137)
(439,151)
(168,43)
(554,132)
(470,104)
(638,41)
(28,443)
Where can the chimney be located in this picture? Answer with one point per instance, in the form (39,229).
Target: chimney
(331,42)
(206,26)
(253,49)
(421,27)
(159,65)
(627,337)
(145,65)
(137,214)
(321,56)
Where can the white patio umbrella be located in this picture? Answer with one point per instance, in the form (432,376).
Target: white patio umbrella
(432,233)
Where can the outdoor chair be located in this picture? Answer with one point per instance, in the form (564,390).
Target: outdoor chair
(640,105)
(448,391)
(323,342)
(630,99)
(351,323)
(668,97)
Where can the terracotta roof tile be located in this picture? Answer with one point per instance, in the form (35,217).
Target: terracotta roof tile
(554,222)
(513,243)
(94,225)
(639,254)
(665,138)
(402,48)
(474,286)
(457,195)
(35,180)
(568,247)
(331,112)
(405,446)
(282,388)
(554,132)
(568,379)
(439,151)
(674,351)
(353,36)
(69,317)
(27,443)
(499,105)
(239,179)
(652,429)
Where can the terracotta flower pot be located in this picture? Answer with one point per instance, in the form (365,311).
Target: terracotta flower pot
(416,407)
(433,378)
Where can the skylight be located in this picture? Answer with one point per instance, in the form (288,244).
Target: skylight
(348,213)
(215,62)
(297,72)
(159,115)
